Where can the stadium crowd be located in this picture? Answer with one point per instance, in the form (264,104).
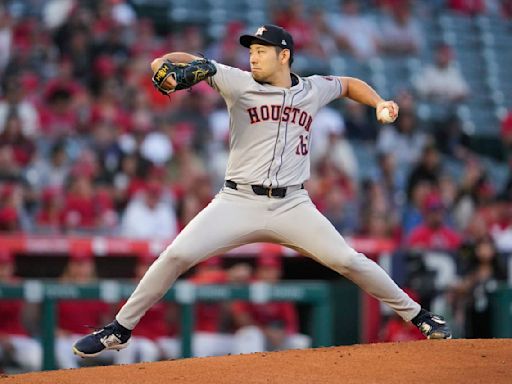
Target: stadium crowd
(87,147)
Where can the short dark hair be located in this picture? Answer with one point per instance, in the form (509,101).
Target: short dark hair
(278,51)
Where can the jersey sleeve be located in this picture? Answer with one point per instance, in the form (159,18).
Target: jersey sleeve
(327,88)
(230,82)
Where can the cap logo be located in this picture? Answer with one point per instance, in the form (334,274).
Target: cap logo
(260,31)
(283,42)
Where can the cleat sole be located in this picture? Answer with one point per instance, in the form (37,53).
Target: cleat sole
(83,354)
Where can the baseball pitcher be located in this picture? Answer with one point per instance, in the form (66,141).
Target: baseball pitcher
(263,199)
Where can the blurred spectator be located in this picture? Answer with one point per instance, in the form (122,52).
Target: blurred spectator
(55,12)
(501,226)
(448,189)
(128,180)
(404,139)
(74,317)
(49,171)
(192,39)
(472,193)
(412,214)
(108,219)
(213,328)
(227,49)
(195,200)
(123,13)
(107,108)
(327,140)
(471,295)
(186,163)
(451,139)
(110,53)
(400,33)
(75,41)
(150,215)
(406,99)
(105,145)
(328,177)
(59,118)
(442,82)
(84,210)
(359,122)
(393,182)
(15,104)
(323,39)
(219,145)
(506,193)
(48,214)
(433,233)
(62,90)
(155,336)
(10,171)
(17,347)
(428,169)
(292,18)
(353,31)
(200,102)
(378,225)
(506,9)
(147,43)
(156,147)
(467,7)
(379,217)
(475,230)
(102,21)
(239,273)
(10,208)
(506,137)
(313,40)
(339,209)
(267,326)
(209,271)
(119,17)
(12,135)
(140,104)
(5,39)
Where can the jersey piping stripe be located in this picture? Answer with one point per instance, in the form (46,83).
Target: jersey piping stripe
(275,144)
(286,134)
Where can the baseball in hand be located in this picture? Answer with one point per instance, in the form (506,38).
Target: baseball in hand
(385,116)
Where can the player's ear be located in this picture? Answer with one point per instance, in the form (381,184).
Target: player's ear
(284,56)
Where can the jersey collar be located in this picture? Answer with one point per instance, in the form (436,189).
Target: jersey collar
(295,81)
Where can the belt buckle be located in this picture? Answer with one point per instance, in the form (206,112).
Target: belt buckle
(269,192)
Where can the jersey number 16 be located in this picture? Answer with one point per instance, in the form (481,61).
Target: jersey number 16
(302,147)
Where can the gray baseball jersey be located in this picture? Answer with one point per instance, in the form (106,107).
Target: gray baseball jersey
(270,126)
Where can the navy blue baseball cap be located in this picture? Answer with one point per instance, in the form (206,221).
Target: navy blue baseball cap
(269,34)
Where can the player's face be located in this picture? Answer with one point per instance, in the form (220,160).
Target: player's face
(264,61)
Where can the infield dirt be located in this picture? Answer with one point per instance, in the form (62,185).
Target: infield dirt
(428,361)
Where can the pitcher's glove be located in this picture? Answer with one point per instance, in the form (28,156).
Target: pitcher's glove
(185,75)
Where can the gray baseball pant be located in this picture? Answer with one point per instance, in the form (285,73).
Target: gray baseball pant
(237,217)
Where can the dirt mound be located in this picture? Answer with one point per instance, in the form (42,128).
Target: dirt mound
(445,361)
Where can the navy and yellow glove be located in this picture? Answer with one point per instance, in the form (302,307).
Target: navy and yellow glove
(185,75)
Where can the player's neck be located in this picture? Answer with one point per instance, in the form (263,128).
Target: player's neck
(282,79)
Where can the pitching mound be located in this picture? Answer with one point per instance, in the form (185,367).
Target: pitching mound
(446,361)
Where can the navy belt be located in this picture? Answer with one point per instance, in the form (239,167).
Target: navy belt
(260,190)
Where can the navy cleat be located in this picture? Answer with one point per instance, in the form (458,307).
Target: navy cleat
(112,336)
(432,326)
